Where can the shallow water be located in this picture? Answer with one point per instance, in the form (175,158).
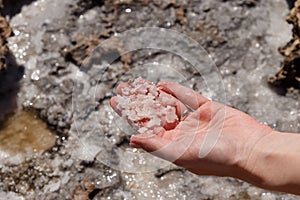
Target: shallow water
(24,133)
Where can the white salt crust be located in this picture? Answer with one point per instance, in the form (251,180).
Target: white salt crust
(146,109)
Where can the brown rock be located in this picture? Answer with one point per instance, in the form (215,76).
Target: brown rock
(289,74)
(87,48)
(5,32)
(84,190)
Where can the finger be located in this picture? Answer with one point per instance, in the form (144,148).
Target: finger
(186,95)
(162,147)
(149,142)
(114,104)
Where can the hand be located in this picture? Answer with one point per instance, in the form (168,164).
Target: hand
(211,140)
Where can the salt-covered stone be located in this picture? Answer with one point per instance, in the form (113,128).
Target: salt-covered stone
(145,107)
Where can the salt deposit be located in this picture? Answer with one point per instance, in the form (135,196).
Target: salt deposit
(146,108)
(242,40)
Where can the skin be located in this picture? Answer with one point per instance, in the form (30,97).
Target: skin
(214,139)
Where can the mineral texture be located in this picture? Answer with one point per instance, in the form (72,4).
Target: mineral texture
(146,108)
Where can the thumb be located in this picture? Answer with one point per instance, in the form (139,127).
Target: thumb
(159,146)
(148,142)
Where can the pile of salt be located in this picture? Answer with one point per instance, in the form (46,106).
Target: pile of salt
(145,107)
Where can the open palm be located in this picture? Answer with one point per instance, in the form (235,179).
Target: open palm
(210,139)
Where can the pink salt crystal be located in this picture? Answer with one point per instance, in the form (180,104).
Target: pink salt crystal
(170,117)
(142,130)
(145,107)
(125,91)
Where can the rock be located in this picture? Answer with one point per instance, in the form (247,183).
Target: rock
(5,32)
(52,187)
(80,54)
(83,191)
(24,133)
(10,72)
(10,196)
(289,74)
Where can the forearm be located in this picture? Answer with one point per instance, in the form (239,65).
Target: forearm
(274,163)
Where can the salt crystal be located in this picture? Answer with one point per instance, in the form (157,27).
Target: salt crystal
(169,114)
(147,109)
(143,130)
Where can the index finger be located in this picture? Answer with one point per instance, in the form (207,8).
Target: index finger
(186,95)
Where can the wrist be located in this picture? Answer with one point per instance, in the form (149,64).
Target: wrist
(260,155)
(272,163)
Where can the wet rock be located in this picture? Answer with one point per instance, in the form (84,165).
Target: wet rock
(24,134)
